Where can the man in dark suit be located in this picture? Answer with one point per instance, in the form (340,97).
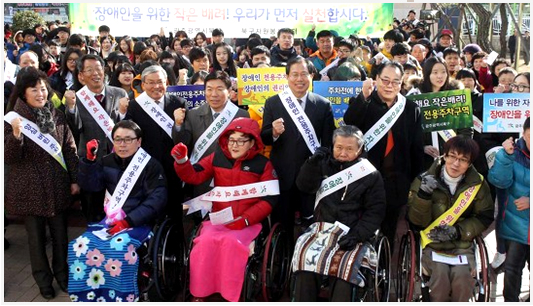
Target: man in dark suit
(85,127)
(289,147)
(217,88)
(157,128)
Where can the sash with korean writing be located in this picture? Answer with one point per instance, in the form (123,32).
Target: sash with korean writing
(491,155)
(213,131)
(300,119)
(233,193)
(96,111)
(156,113)
(324,72)
(478,124)
(45,141)
(384,124)
(344,178)
(9,72)
(113,203)
(452,215)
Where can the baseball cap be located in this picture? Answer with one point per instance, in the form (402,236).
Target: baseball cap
(446,32)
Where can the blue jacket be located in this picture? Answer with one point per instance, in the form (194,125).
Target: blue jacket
(511,173)
(148,198)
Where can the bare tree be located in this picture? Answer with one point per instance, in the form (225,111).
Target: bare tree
(483,25)
(503,31)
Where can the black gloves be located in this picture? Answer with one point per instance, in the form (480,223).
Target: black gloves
(349,241)
(427,185)
(443,233)
(320,154)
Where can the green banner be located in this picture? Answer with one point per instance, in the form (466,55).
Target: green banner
(445,110)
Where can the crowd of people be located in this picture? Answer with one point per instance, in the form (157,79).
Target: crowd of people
(132,154)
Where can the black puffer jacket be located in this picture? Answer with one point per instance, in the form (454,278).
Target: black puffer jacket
(360,206)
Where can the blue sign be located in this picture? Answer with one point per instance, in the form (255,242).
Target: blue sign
(194,94)
(339,94)
(505,112)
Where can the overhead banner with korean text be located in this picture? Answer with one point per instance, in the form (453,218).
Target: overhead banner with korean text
(339,94)
(505,112)
(237,20)
(445,110)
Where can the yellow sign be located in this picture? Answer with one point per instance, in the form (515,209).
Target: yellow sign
(255,85)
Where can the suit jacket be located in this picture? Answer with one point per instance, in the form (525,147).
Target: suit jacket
(197,120)
(85,128)
(289,151)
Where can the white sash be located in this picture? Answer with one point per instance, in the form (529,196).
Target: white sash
(9,72)
(45,141)
(491,155)
(343,179)
(226,194)
(94,108)
(300,119)
(213,131)
(478,124)
(324,72)
(113,203)
(384,124)
(156,113)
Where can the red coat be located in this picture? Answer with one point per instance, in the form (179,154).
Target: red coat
(251,168)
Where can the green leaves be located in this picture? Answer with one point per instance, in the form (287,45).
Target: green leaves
(26,19)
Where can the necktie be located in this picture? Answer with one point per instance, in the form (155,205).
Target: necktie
(390,143)
(300,101)
(100,99)
(158,103)
(215,115)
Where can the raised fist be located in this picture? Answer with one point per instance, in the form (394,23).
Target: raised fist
(179,152)
(92,149)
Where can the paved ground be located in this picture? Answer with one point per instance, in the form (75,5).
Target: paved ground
(19,285)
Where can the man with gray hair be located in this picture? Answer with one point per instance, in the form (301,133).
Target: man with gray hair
(156,112)
(349,207)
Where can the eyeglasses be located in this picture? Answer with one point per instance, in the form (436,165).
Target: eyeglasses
(72,60)
(386,82)
(452,159)
(295,76)
(93,70)
(160,83)
(239,143)
(519,87)
(124,140)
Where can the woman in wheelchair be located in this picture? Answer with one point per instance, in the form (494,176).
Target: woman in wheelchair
(350,206)
(103,262)
(246,188)
(452,205)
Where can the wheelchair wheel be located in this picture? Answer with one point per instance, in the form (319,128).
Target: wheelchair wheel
(482,282)
(168,257)
(186,295)
(381,277)
(406,273)
(276,264)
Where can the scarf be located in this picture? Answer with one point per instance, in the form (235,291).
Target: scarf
(44,119)
(450,181)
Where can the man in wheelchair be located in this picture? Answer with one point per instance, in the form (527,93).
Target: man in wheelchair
(451,202)
(349,207)
(103,262)
(246,188)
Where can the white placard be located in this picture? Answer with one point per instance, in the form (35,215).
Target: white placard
(454,260)
(222,216)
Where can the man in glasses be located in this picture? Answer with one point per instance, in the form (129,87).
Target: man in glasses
(91,114)
(156,112)
(295,122)
(393,136)
(200,127)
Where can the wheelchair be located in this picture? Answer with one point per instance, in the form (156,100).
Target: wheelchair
(161,263)
(377,280)
(411,283)
(267,269)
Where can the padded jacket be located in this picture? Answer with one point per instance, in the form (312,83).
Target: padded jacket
(250,168)
(360,205)
(511,173)
(477,217)
(148,198)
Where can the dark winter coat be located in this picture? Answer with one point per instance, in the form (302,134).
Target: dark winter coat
(37,185)
(148,198)
(360,205)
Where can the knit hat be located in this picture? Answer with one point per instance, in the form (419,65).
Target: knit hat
(472,48)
